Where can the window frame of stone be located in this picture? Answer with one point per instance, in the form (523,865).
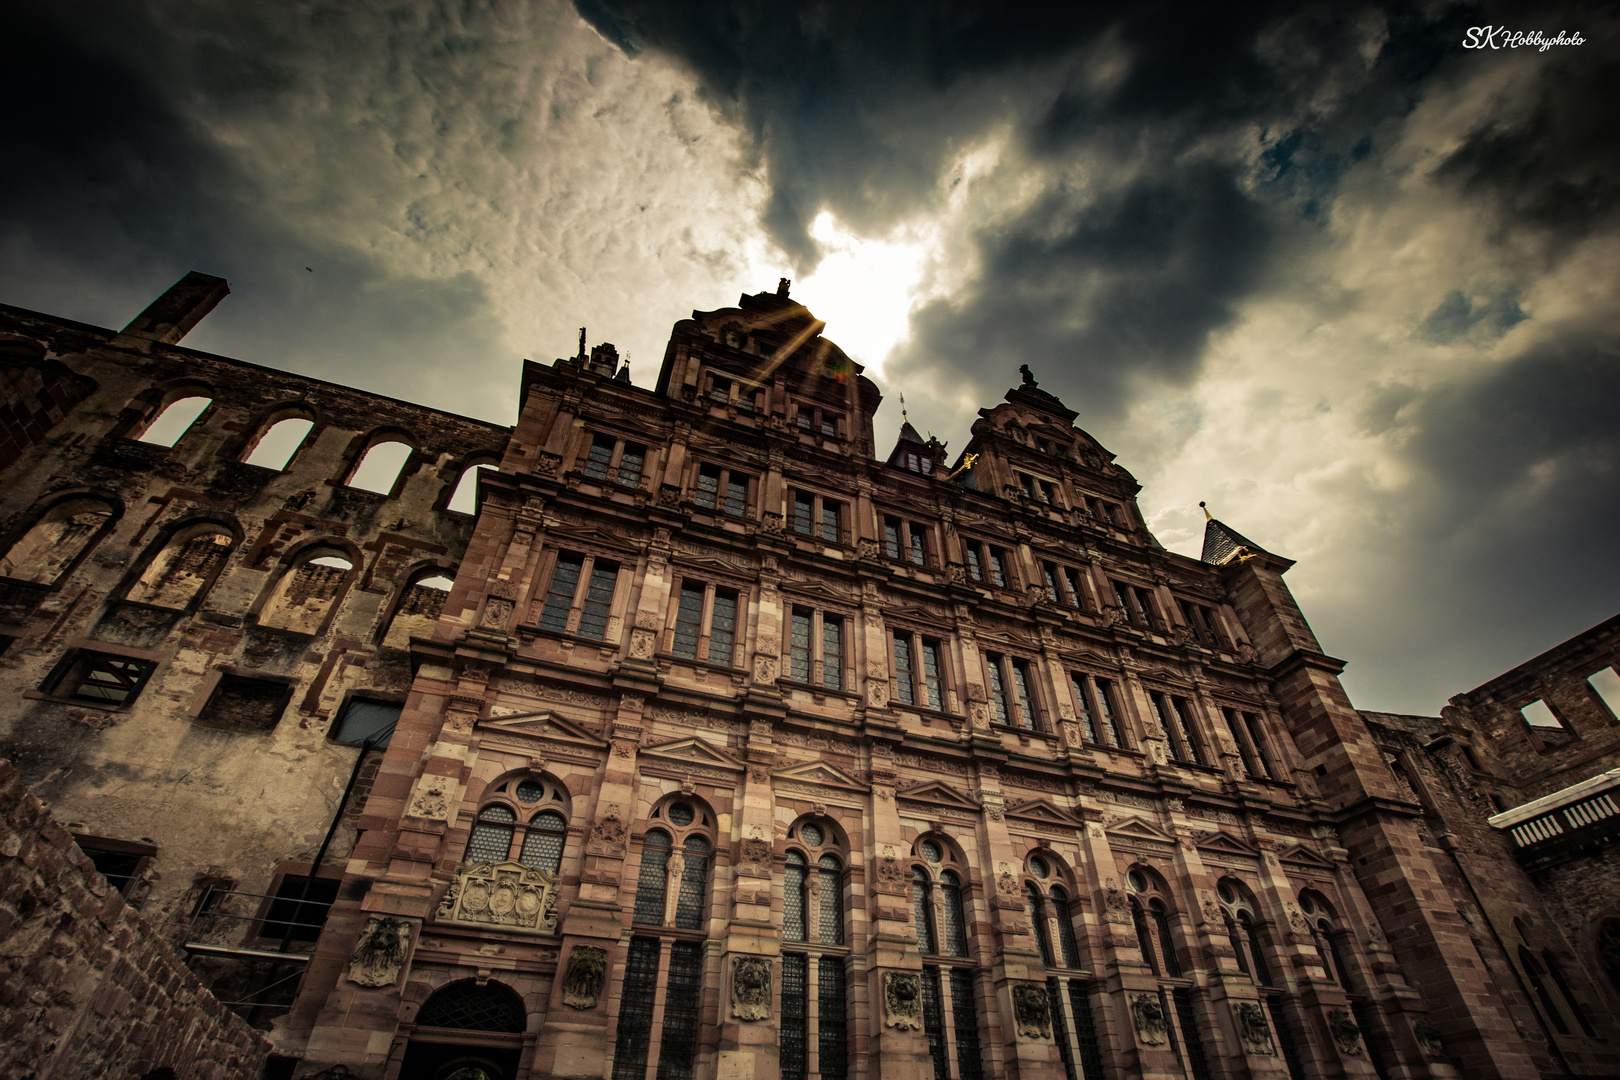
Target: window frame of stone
(1248,931)
(130,671)
(37,517)
(413,579)
(290,875)
(814,657)
(721,498)
(1336,948)
(736,394)
(819,418)
(1048,882)
(334,731)
(1103,511)
(810,950)
(271,420)
(1204,623)
(1160,931)
(132,886)
(581,596)
(308,554)
(1138,605)
(1098,690)
(1544,977)
(703,641)
(170,400)
(1040,490)
(983,559)
(1607,705)
(816,523)
(467,473)
(701,826)
(217,686)
(506,793)
(1063,584)
(178,536)
(1545,737)
(1003,674)
(914,681)
(909,536)
(963,1061)
(1248,729)
(608,468)
(1185,741)
(371,441)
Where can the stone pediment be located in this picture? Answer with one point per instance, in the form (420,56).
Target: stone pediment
(694,751)
(1165,675)
(590,537)
(916,614)
(721,561)
(1042,811)
(1140,831)
(541,724)
(1220,843)
(939,794)
(818,589)
(1300,855)
(819,772)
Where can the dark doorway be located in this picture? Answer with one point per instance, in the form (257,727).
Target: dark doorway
(458,1061)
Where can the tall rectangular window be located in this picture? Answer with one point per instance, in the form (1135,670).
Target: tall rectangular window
(996,559)
(1071,579)
(1203,622)
(904,690)
(987,564)
(682,1000)
(688,620)
(816,648)
(832,1038)
(560,593)
(706,623)
(818,517)
(599,457)
(1082,708)
(610,458)
(1251,744)
(969,1062)
(725,490)
(999,713)
(1137,604)
(598,600)
(934,1022)
(832,653)
(636,1010)
(799,652)
(723,627)
(918,678)
(906,541)
(1012,698)
(1108,707)
(580,595)
(795,1034)
(817,421)
(1175,716)
(631,461)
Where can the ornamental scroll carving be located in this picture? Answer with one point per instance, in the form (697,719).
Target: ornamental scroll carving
(432,798)
(1031,1011)
(380,952)
(902,1000)
(892,878)
(1251,1022)
(585,977)
(1345,1031)
(750,987)
(1149,1016)
(607,835)
(506,894)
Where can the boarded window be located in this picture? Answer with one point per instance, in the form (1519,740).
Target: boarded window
(56,541)
(184,567)
(418,610)
(279,443)
(174,421)
(379,469)
(305,594)
(241,703)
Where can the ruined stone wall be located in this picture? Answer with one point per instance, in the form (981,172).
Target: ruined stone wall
(177,567)
(87,988)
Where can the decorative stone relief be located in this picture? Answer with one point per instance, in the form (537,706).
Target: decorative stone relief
(756,851)
(1345,1031)
(1031,1011)
(607,835)
(750,987)
(432,798)
(380,952)
(1006,884)
(892,877)
(1149,1015)
(641,644)
(1428,1039)
(505,894)
(902,1000)
(1252,1026)
(1116,908)
(1296,920)
(764,669)
(585,977)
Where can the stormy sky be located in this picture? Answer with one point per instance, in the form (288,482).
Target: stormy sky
(1350,282)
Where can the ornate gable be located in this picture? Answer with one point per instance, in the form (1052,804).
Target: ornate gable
(540,724)
(819,773)
(938,793)
(1302,856)
(1042,812)
(1223,844)
(1136,833)
(693,751)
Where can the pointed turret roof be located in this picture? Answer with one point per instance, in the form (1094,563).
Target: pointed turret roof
(1222,542)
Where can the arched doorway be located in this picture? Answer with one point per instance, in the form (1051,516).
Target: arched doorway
(467,1032)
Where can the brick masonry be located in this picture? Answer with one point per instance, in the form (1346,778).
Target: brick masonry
(87,987)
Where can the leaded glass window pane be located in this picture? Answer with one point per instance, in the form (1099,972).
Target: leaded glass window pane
(1105,702)
(1060,1027)
(1085,1032)
(1035,908)
(630,465)
(891,537)
(1183,710)
(560,594)
(601,453)
(736,495)
(723,628)
(1072,579)
(1051,582)
(804,507)
(902,670)
(829,522)
(1026,704)
(793,898)
(934,1022)
(688,621)
(652,884)
(975,571)
(931,679)
(543,844)
(922,913)
(491,839)
(708,487)
(689,906)
(1285,1039)
(918,552)
(1161,921)
(998,693)
(529,791)
(1262,971)
(466,1006)
(1065,920)
(832,900)
(681,1005)
(834,1043)
(998,568)
(636,1010)
(832,653)
(1197,1062)
(795,1033)
(955,920)
(1252,722)
(593,616)
(799,647)
(969,1062)
(1088,726)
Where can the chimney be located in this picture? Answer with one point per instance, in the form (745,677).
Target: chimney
(171,316)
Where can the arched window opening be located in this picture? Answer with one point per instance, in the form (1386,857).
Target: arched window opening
(304,597)
(1262,972)
(185,566)
(543,842)
(1167,943)
(1556,972)
(419,608)
(689,907)
(1144,938)
(380,467)
(491,840)
(950,1014)
(57,541)
(653,882)
(466,1006)
(1065,921)
(464,499)
(1538,983)
(922,900)
(175,420)
(524,825)
(275,448)
(794,892)
(831,872)
(672,889)
(1035,908)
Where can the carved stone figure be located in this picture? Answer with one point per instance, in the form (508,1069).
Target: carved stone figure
(764,669)
(1428,1039)
(1031,1011)
(1149,1015)
(1345,1031)
(1252,1026)
(506,894)
(1116,907)
(607,835)
(902,1000)
(586,974)
(641,644)
(380,952)
(892,877)
(756,851)
(432,798)
(447,903)
(750,987)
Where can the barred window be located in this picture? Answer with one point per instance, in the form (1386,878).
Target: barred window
(636,1009)
(832,1020)
(793,1055)
(689,908)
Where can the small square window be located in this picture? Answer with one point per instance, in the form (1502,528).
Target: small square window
(242,703)
(103,679)
(364,719)
(296,914)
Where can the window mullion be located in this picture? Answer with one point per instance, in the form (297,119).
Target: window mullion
(655,1035)
(816,659)
(812,1015)
(705,624)
(576,607)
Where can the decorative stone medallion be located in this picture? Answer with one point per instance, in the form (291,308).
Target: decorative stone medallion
(902,1000)
(505,894)
(1030,1009)
(750,987)
(585,977)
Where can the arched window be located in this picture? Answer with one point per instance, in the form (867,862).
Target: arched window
(950,1009)
(831,872)
(795,891)
(1047,904)
(526,820)
(491,839)
(694,879)
(1167,944)
(57,541)
(276,444)
(466,1006)
(1065,921)
(1538,983)
(672,889)
(175,420)
(1035,908)
(420,604)
(1151,912)
(543,842)
(379,467)
(185,567)
(464,499)
(1555,971)
(304,598)
(922,901)
(652,886)
(1237,911)
(813,908)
